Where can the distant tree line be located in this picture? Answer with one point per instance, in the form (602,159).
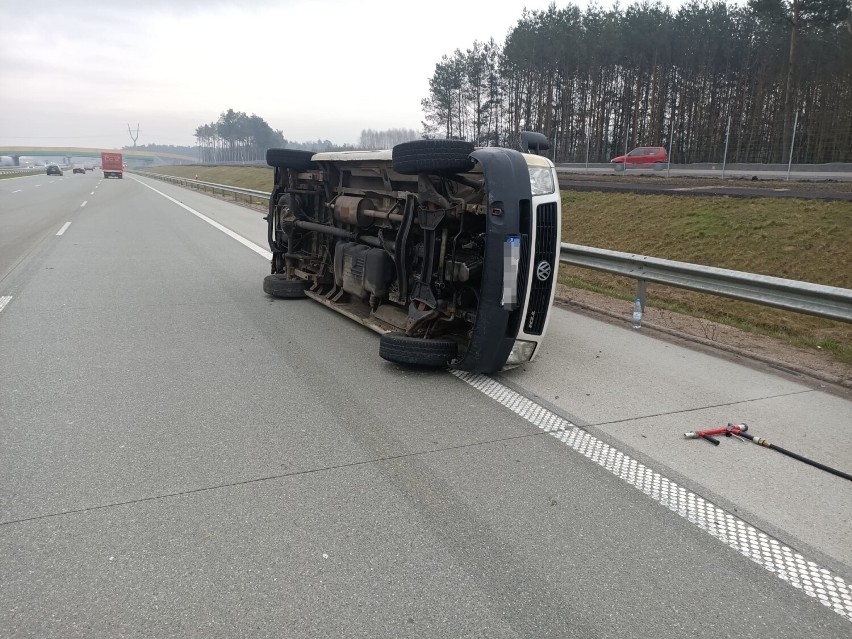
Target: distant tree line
(370,139)
(600,80)
(236,137)
(164,148)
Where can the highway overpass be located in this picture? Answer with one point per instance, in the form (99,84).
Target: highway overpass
(68,152)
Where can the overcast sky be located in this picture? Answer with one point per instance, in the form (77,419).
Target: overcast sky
(77,73)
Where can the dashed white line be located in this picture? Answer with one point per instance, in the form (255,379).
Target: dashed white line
(18,191)
(239,238)
(817,582)
(92,193)
(64,228)
(4,299)
(84,203)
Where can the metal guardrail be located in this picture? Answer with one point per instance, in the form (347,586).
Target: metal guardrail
(250,195)
(20,171)
(802,297)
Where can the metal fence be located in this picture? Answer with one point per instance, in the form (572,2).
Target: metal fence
(803,297)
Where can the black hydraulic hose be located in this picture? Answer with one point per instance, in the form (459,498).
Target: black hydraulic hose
(762,442)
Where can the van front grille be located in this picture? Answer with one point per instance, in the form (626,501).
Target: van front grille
(542,264)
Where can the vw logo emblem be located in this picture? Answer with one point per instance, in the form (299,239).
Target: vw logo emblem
(542,271)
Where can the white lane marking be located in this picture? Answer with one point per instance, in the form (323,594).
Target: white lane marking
(18,191)
(64,228)
(4,299)
(85,202)
(239,238)
(92,193)
(830,590)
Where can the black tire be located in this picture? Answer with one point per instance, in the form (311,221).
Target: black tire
(290,159)
(415,351)
(618,167)
(278,286)
(659,166)
(432,156)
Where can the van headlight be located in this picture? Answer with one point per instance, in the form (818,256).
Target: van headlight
(541,180)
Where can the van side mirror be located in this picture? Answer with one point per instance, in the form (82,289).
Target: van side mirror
(533,142)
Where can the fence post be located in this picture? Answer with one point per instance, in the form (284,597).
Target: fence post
(626,142)
(727,137)
(587,150)
(792,144)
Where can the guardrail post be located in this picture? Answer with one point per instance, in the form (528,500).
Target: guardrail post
(641,288)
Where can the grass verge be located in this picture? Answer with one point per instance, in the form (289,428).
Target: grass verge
(806,240)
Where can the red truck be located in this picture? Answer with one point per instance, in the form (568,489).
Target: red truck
(112,164)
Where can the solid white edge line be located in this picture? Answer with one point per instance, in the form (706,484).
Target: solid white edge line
(64,228)
(787,564)
(4,300)
(239,238)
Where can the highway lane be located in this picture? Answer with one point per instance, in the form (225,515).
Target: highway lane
(182,455)
(742,171)
(34,207)
(649,186)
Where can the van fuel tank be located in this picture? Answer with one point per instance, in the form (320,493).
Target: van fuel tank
(363,271)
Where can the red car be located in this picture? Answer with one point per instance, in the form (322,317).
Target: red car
(642,157)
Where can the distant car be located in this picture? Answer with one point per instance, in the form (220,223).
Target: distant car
(642,157)
(79,168)
(52,169)
(89,167)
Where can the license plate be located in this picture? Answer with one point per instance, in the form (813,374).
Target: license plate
(511,260)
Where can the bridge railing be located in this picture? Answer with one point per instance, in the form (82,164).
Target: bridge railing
(830,302)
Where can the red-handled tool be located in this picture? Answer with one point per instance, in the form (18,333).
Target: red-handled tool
(727,431)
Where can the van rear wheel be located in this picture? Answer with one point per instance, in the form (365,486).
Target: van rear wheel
(295,159)
(432,156)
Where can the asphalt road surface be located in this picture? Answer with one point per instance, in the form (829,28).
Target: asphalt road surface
(184,456)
